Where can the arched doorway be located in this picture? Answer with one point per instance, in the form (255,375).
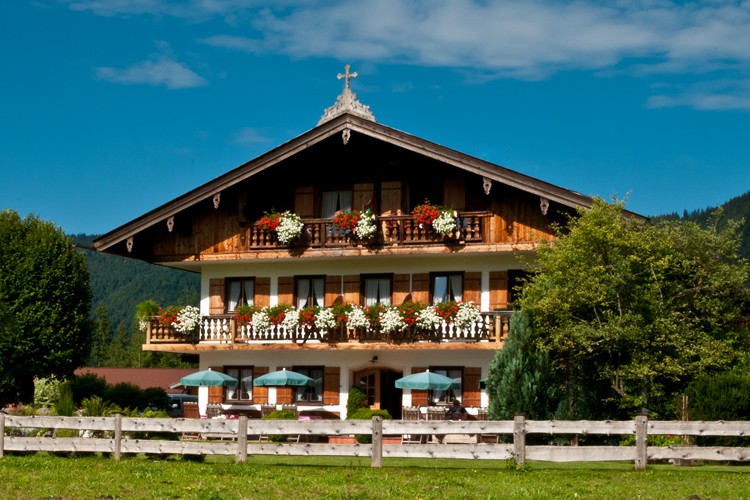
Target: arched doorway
(378,384)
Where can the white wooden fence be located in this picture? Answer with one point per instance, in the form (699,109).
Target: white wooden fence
(117,435)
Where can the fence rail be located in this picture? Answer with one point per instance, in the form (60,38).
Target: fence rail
(117,435)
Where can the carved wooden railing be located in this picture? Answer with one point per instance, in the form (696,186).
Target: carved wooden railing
(224,329)
(391,230)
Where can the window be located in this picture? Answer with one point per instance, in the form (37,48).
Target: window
(376,289)
(445,397)
(244,390)
(333,201)
(310,291)
(240,292)
(447,286)
(312,393)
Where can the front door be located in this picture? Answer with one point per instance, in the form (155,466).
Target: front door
(378,386)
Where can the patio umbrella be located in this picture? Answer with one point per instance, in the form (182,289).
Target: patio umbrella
(207,378)
(283,378)
(425,380)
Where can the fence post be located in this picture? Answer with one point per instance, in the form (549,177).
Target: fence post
(2,433)
(118,436)
(641,442)
(242,439)
(519,440)
(377,441)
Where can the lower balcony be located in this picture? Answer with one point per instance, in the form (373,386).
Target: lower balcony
(216,331)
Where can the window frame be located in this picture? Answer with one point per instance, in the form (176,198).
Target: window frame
(311,292)
(303,395)
(436,397)
(449,293)
(379,276)
(241,373)
(227,288)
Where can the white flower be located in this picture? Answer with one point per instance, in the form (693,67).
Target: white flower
(187,319)
(357,318)
(291,320)
(391,321)
(289,228)
(325,320)
(261,321)
(428,319)
(445,223)
(365,228)
(467,316)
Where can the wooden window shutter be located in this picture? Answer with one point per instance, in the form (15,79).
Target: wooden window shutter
(262,292)
(418,396)
(260,394)
(454,193)
(303,202)
(420,285)
(473,287)
(331,385)
(351,289)
(400,288)
(216,392)
(333,290)
(284,395)
(498,290)
(390,196)
(472,395)
(286,290)
(216,296)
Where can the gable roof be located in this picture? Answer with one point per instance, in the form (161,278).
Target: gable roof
(354,125)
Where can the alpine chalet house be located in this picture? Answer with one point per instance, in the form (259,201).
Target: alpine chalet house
(355,254)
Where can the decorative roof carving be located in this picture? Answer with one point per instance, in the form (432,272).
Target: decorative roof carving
(347,102)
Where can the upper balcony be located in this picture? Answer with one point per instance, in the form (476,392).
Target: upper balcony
(220,332)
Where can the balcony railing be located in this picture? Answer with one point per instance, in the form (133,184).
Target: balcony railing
(224,329)
(392,230)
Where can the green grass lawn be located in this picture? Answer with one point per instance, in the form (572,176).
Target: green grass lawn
(45,476)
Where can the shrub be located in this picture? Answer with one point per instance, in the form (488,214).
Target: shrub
(88,385)
(124,395)
(724,396)
(357,399)
(46,391)
(367,414)
(64,405)
(280,415)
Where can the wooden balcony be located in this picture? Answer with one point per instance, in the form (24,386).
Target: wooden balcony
(392,230)
(223,331)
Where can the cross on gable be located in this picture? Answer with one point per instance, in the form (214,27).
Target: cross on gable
(347,75)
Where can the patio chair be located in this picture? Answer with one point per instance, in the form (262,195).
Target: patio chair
(292,437)
(190,410)
(412,414)
(436,413)
(486,438)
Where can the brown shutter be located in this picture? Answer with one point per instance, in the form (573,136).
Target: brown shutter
(454,193)
(284,395)
(498,290)
(260,394)
(401,289)
(333,290)
(418,396)
(471,392)
(363,195)
(286,290)
(303,202)
(390,196)
(216,392)
(331,385)
(351,289)
(473,287)
(262,292)
(216,296)
(420,287)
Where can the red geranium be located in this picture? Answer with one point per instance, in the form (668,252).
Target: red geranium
(447,310)
(347,220)
(426,213)
(269,221)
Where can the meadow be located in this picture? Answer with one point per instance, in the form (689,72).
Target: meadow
(42,475)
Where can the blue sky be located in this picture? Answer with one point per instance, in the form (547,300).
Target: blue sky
(110,108)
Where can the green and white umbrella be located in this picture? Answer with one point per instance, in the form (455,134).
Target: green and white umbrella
(207,378)
(426,380)
(283,378)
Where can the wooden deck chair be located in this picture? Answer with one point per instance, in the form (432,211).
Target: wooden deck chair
(486,438)
(436,413)
(412,414)
(190,410)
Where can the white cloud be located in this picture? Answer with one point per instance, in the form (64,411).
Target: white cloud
(166,72)
(249,136)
